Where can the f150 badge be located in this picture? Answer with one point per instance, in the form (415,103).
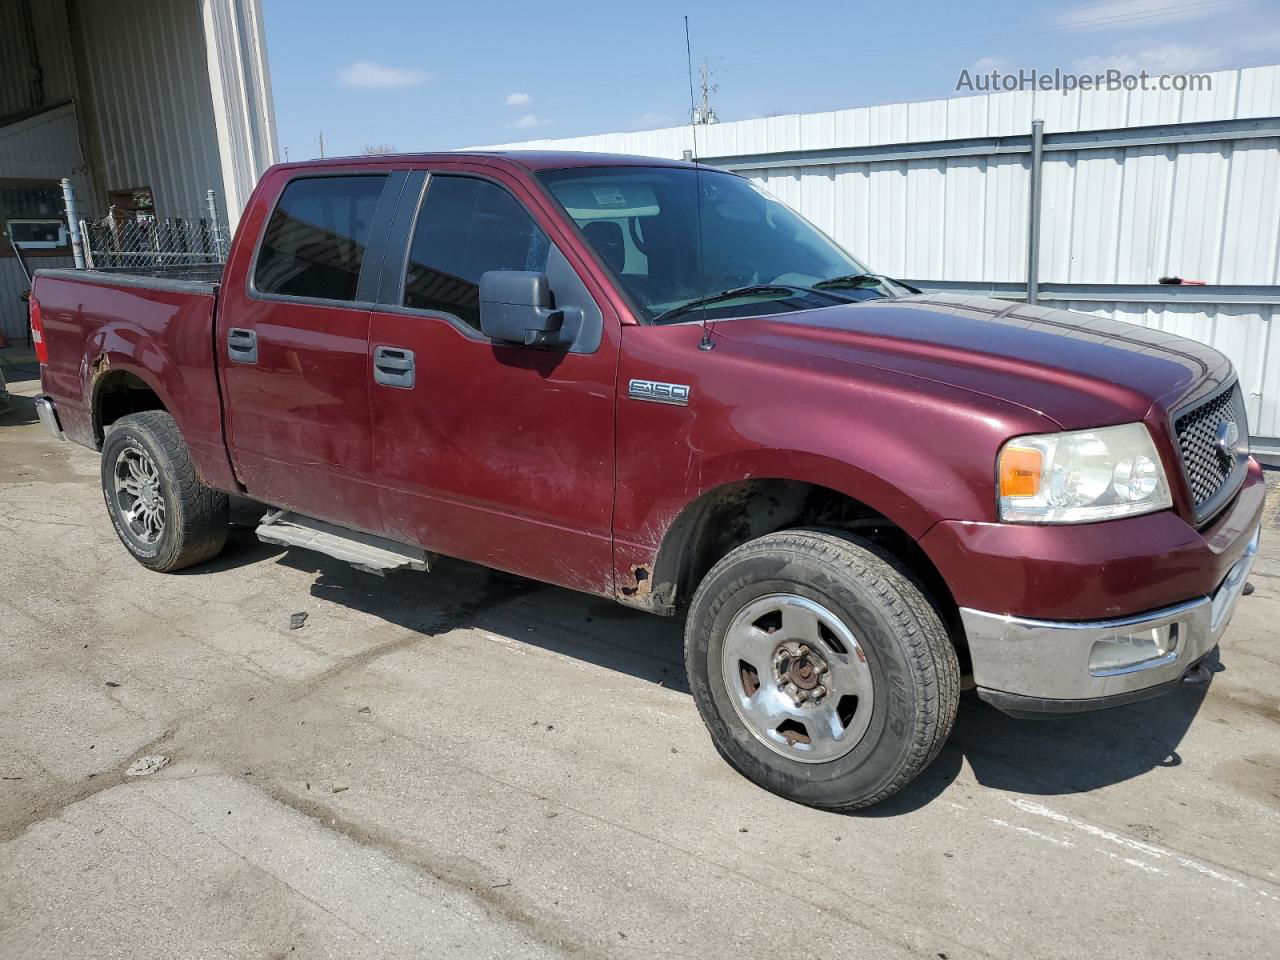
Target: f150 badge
(655,392)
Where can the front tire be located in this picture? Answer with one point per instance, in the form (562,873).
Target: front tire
(161,510)
(820,668)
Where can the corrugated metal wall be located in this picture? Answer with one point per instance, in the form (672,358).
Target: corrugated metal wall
(1205,211)
(146,108)
(244,110)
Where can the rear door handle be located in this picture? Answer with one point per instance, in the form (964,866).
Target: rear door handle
(242,345)
(393,367)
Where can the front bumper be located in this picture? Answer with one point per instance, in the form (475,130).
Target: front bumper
(1041,667)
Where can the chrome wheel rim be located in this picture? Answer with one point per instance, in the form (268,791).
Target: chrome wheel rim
(798,678)
(139,502)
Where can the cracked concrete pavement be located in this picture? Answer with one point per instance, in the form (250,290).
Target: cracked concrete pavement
(469,764)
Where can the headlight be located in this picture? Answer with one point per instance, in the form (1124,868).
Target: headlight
(1081,476)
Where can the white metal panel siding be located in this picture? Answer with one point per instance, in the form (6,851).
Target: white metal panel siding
(243,110)
(1203,211)
(147,102)
(46,146)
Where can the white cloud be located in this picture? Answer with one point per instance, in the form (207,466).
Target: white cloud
(518,99)
(1168,58)
(1124,13)
(367,74)
(987,64)
(526,122)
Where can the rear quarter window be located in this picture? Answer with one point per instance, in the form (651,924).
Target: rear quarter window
(315,241)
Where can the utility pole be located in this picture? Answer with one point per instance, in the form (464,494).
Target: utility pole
(705,113)
(321,144)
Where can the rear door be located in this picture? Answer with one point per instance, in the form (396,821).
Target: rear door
(496,453)
(293,344)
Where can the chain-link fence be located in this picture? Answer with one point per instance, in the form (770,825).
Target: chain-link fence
(150,242)
(138,239)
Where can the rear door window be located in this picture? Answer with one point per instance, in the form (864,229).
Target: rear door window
(315,241)
(467,226)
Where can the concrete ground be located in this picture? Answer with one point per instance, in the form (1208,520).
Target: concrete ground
(468,764)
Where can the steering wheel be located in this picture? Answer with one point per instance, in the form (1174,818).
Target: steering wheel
(739,274)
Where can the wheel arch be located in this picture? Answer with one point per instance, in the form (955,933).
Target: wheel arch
(730,514)
(118,390)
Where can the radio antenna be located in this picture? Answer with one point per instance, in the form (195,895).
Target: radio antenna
(705,343)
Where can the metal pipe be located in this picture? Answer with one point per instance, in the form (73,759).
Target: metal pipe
(88,246)
(212,199)
(1033,212)
(73,223)
(1172,134)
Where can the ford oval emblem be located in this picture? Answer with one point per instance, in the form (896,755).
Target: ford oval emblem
(1227,436)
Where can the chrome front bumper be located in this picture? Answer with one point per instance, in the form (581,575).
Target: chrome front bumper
(1042,666)
(49,416)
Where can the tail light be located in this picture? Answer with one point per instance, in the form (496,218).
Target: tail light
(37,333)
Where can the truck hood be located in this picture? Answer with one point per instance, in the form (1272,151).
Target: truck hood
(1078,370)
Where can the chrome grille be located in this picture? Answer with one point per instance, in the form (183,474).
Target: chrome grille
(1208,468)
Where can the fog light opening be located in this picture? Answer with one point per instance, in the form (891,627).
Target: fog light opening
(1122,652)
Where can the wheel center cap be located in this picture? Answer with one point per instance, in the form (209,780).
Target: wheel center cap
(803,674)
(800,670)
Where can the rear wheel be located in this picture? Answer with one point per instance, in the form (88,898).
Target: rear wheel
(820,668)
(162,512)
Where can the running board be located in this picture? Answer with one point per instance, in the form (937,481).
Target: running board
(362,550)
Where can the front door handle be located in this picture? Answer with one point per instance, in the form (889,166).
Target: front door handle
(393,367)
(242,345)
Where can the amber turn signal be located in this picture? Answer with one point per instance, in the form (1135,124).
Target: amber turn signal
(1020,471)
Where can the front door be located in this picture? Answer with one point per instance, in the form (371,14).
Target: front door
(293,349)
(498,454)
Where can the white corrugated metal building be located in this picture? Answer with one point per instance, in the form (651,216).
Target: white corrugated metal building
(1135,186)
(162,100)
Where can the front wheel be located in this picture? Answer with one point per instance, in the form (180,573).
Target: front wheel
(162,511)
(820,668)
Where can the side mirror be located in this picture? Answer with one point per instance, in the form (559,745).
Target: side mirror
(516,307)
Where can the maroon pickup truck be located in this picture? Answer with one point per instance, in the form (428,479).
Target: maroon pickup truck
(653,382)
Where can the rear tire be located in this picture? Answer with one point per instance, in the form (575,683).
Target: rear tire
(161,510)
(820,668)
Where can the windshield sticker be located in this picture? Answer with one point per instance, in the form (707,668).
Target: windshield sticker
(609,196)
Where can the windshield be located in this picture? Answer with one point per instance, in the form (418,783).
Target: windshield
(644,222)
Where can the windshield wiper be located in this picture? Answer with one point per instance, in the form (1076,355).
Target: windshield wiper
(755,289)
(862,280)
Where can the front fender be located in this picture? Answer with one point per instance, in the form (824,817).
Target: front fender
(913,450)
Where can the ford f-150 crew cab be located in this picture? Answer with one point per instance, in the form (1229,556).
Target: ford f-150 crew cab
(651,381)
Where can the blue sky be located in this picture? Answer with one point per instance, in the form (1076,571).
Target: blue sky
(423,76)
